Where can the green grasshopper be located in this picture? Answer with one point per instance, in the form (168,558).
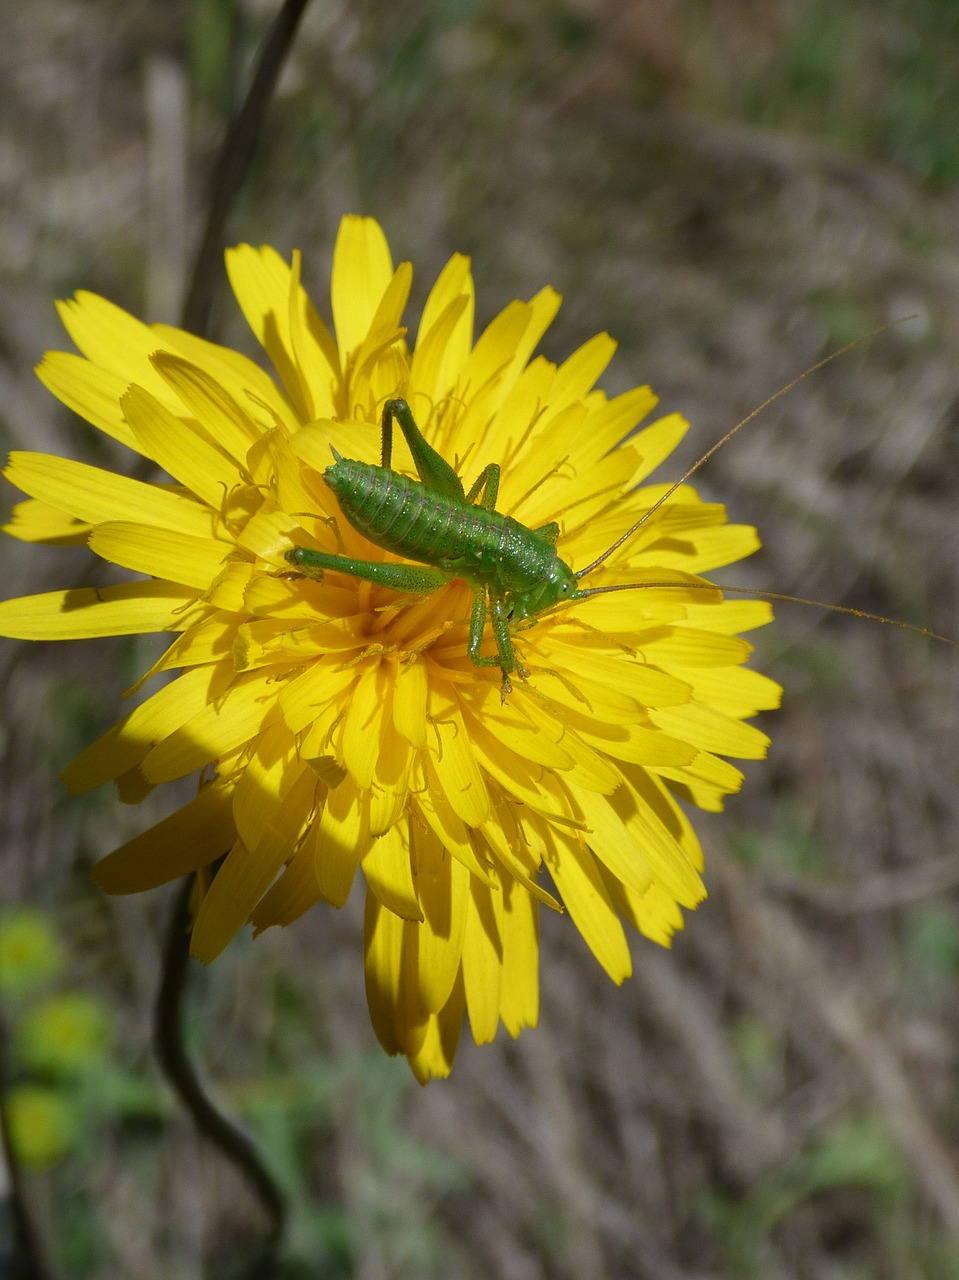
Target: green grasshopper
(433,520)
(514,572)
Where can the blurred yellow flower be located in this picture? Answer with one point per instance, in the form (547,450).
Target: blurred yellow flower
(43,1125)
(339,726)
(29,951)
(68,1033)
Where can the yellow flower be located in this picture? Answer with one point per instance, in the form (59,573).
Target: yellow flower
(43,1125)
(340,726)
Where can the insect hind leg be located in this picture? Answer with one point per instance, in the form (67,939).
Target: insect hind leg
(488,481)
(412,579)
(434,471)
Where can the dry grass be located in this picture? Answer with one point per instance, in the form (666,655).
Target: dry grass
(681,1127)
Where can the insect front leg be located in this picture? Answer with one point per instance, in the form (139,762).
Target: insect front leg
(505,658)
(412,579)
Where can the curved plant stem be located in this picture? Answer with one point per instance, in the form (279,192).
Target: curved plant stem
(178,1068)
(230,171)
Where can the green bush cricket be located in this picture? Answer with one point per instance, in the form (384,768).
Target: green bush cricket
(515,573)
(433,520)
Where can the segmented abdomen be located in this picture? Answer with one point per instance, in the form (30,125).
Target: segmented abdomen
(405,517)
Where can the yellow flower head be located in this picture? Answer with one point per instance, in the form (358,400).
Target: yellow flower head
(340,725)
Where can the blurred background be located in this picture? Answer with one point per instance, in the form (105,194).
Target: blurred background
(732,188)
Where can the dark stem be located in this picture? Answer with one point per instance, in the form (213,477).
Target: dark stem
(234,162)
(229,174)
(179,1070)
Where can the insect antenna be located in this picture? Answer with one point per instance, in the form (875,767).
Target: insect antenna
(850,346)
(775,595)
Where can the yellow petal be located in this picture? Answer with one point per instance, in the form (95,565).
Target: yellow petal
(282,598)
(589,768)
(267,820)
(262,283)
(246,874)
(248,384)
(653,913)
(519,991)
(712,548)
(711,730)
(220,727)
(94,495)
(82,612)
(588,902)
(221,418)
(454,284)
(612,843)
(161,553)
(315,443)
(306,696)
(483,960)
(390,787)
(123,747)
(311,348)
(442,889)
(361,729)
(577,375)
(293,893)
(445,334)
(730,616)
(92,392)
(341,840)
(661,801)
(686,646)
(631,839)
(655,443)
(113,339)
(399,1023)
(229,587)
(433,372)
(453,760)
(510,851)
(736,692)
(178,449)
(516,775)
(539,742)
(631,611)
(540,469)
(588,666)
(385,329)
(708,771)
(33,521)
(409,703)
(209,640)
(191,838)
(445,823)
(362,270)
(386,869)
(634,743)
(657,916)
(494,363)
(433,1059)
